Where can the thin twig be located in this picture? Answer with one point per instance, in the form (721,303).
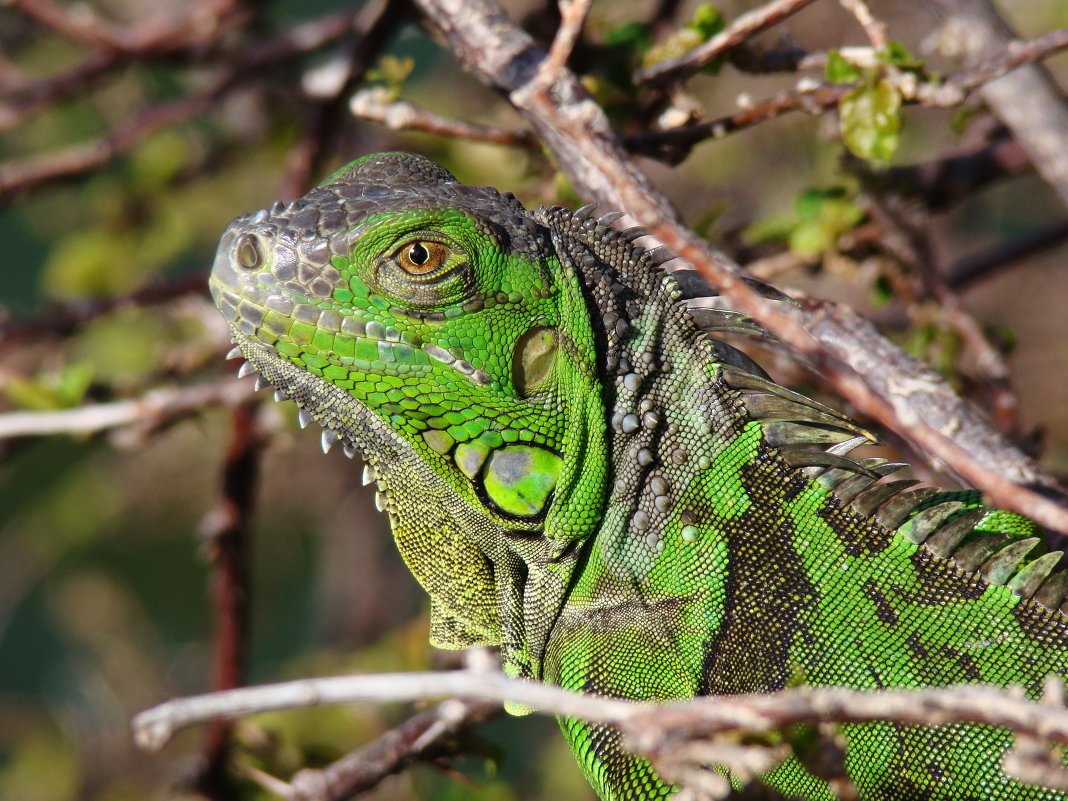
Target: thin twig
(1027,100)
(874,29)
(677,69)
(421,736)
(20,175)
(375,104)
(972,268)
(572,17)
(372,29)
(226,533)
(166,32)
(150,411)
(19,103)
(815,97)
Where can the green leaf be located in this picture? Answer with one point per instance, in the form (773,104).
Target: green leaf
(632,35)
(809,239)
(393,72)
(705,23)
(899,56)
(63,390)
(838,70)
(869,118)
(823,215)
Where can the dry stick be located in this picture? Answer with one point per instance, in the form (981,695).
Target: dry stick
(420,736)
(874,29)
(33,171)
(226,533)
(868,370)
(644,724)
(375,104)
(749,24)
(573,15)
(153,409)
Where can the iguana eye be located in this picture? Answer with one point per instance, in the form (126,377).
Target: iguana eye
(422,256)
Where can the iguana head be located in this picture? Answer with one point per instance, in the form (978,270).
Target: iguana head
(428,325)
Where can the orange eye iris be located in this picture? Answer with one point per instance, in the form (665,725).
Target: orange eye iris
(422,257)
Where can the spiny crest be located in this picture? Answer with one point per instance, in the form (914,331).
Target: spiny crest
(812,438)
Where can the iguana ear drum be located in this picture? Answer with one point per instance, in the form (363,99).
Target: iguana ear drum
(534,360)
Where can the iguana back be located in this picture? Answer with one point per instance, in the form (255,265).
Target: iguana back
(578,470)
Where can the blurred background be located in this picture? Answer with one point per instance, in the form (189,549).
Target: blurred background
(119,168)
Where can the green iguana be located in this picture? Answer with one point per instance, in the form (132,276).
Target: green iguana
(576,470)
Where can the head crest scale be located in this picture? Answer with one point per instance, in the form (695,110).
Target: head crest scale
(395,168)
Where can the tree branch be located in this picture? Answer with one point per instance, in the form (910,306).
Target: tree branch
(678,69)
(374,104)
(151,411)
(645,725)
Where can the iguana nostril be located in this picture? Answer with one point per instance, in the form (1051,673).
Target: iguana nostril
(248,252)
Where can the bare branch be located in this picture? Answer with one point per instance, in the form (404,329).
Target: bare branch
(749,24)
(18,103)
(572,16)
(814,97)
(374,104)
(152,410)
(226,533)
(20,175)
(373,25)
(646,725)
(874,29)
(421,736)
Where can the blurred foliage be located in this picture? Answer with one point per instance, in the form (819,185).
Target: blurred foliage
(104,604)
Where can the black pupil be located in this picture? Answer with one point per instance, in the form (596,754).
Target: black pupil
(419,254)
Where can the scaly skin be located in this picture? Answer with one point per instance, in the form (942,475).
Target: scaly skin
(576,471)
